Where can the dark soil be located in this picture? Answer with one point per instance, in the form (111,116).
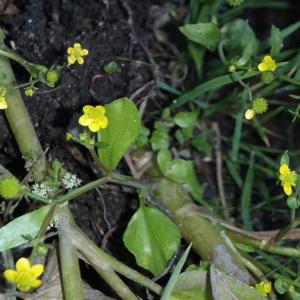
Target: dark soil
(41,31)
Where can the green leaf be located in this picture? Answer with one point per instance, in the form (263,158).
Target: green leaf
(175,274)
(210,85)
(285,160)
(281,286)
(152,238)
(242,43)
(205,34)
(186,119)
(12,234)
(246,194)
(201,143)
(112,67)
(142,139)
(181,171)
(192,285)
(227,288)
(275,41)
(160,139)
(122,130)
(166,87)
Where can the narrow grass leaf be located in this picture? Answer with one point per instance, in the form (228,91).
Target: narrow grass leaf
(172,281)
(246,194)
(210,85)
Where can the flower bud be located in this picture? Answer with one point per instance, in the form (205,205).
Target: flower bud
(267,77)
(52,76)
(249,114)
(10,187)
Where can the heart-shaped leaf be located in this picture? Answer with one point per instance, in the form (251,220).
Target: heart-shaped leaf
(13,234)
(152,238)
(124,124)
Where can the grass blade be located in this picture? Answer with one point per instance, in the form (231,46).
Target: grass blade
(246,194)
(171,283)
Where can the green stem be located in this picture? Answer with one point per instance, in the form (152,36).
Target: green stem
(114,178)
(289,79)
(11,55)
(128,180)
(20,123)
(101,259)
(115,282)
(293,216)
(8,262)
(37,197)
(269,271)
(261,244)
(69,263)
(97,161)
(82,190)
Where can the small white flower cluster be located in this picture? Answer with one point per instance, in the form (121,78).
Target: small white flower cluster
(70,181)
(41,189)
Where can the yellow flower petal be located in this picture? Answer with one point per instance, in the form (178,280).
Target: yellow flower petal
(36,283)
(100,109)
(87,108)
(71,59)
(268,59)
(287,189)
(77,46)
(10,275)
(84,52)
(262,67)
(70,50)
(23,287)
(80,60)
(85,120)
(284,169)
(37,270)
(103,122)
(23,264)
(95,126)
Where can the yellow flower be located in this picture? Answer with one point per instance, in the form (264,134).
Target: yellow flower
(93,117)
(264,287)
(288,178)
(3,102)
(249,114)
(25,275)
(76,53)
(267,64)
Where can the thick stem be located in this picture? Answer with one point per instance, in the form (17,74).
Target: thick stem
(112,279)
(102,260)
(21,125)
(69,263)
(206,240)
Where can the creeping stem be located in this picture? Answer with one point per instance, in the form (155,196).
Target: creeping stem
(69,262)
(20,123)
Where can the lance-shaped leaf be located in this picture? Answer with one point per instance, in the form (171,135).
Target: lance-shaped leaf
(124,124)
(152,238)
(13,234)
